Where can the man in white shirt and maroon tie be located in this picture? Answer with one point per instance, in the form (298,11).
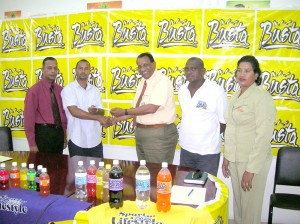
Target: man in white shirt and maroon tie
(153,114)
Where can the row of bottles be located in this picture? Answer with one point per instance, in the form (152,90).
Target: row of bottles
(106,184)
(28,179)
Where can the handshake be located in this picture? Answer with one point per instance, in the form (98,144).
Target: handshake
(107,121)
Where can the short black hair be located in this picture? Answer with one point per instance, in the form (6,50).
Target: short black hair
(83,60)
(48,59)
(146,54)
(255,66)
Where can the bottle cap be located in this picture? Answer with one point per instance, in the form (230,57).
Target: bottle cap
(14,163)
(143,162)
(108,166)
(101,163)
(39,167)
(2,165)
(115,162)
(80,163)
(23,165)
(44,170)
(31,166)
(164,164)
(92,162)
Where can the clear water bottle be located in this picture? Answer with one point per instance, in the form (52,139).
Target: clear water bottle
(142,186)
(80,181)
(31,177)
(116,186)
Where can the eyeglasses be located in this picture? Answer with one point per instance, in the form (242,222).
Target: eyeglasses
(190,69)
(144,66)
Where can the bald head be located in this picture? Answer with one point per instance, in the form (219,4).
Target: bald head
(196,62)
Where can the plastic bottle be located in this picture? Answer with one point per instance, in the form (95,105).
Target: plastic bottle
(14,175)
(91,179)
(105,183)
(23,176)
(164,185)
(37,177)
(80,181)
(99,184)
(142,186)
(115,185)
(4,180)
(31,177)
(44,183)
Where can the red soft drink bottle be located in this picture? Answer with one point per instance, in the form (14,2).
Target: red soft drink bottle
(14,175)
(164,185)
(4,180)
(44,183)
(91,179)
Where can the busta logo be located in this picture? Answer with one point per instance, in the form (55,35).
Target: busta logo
(87,33)
(232,34)
(48,37)
(276,35)
(176,33)
(13,118)
(14,39)
(129,33)
(284,134)
(14,80)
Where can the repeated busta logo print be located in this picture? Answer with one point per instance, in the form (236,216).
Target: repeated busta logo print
(89,33)
(14,39)
(280,34)
(48,37)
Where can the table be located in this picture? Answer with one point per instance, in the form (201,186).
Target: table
(61,169)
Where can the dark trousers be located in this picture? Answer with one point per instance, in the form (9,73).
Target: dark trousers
(75,150)
(207,163)
(49,138)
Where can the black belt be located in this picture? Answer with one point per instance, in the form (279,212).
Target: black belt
(49,126)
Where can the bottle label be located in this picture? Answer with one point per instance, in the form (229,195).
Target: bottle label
(99,181)
(23,176)
(31,176)
(4,177)
(91,179)
(14,175)
(116,184)
(143,184)
(37,179)
(164,187)
(80,178)
(45,182)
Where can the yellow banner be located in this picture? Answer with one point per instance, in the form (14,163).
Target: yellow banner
(16,76)
(177,31)
(281,79)
(88,32)
(12,115)
(61,78)
(277,33)
(130,31)
(49,36)
(228,32)
(286,130)
(15,39)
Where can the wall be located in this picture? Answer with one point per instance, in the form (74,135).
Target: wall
(42,8)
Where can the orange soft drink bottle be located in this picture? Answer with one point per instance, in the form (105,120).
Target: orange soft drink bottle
(14,175)
(44,183)
(163,192)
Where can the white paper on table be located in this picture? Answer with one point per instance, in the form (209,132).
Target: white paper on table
(182,195)
(4,158)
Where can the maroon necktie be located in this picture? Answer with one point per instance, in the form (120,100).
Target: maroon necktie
(139,101)
(55,109)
